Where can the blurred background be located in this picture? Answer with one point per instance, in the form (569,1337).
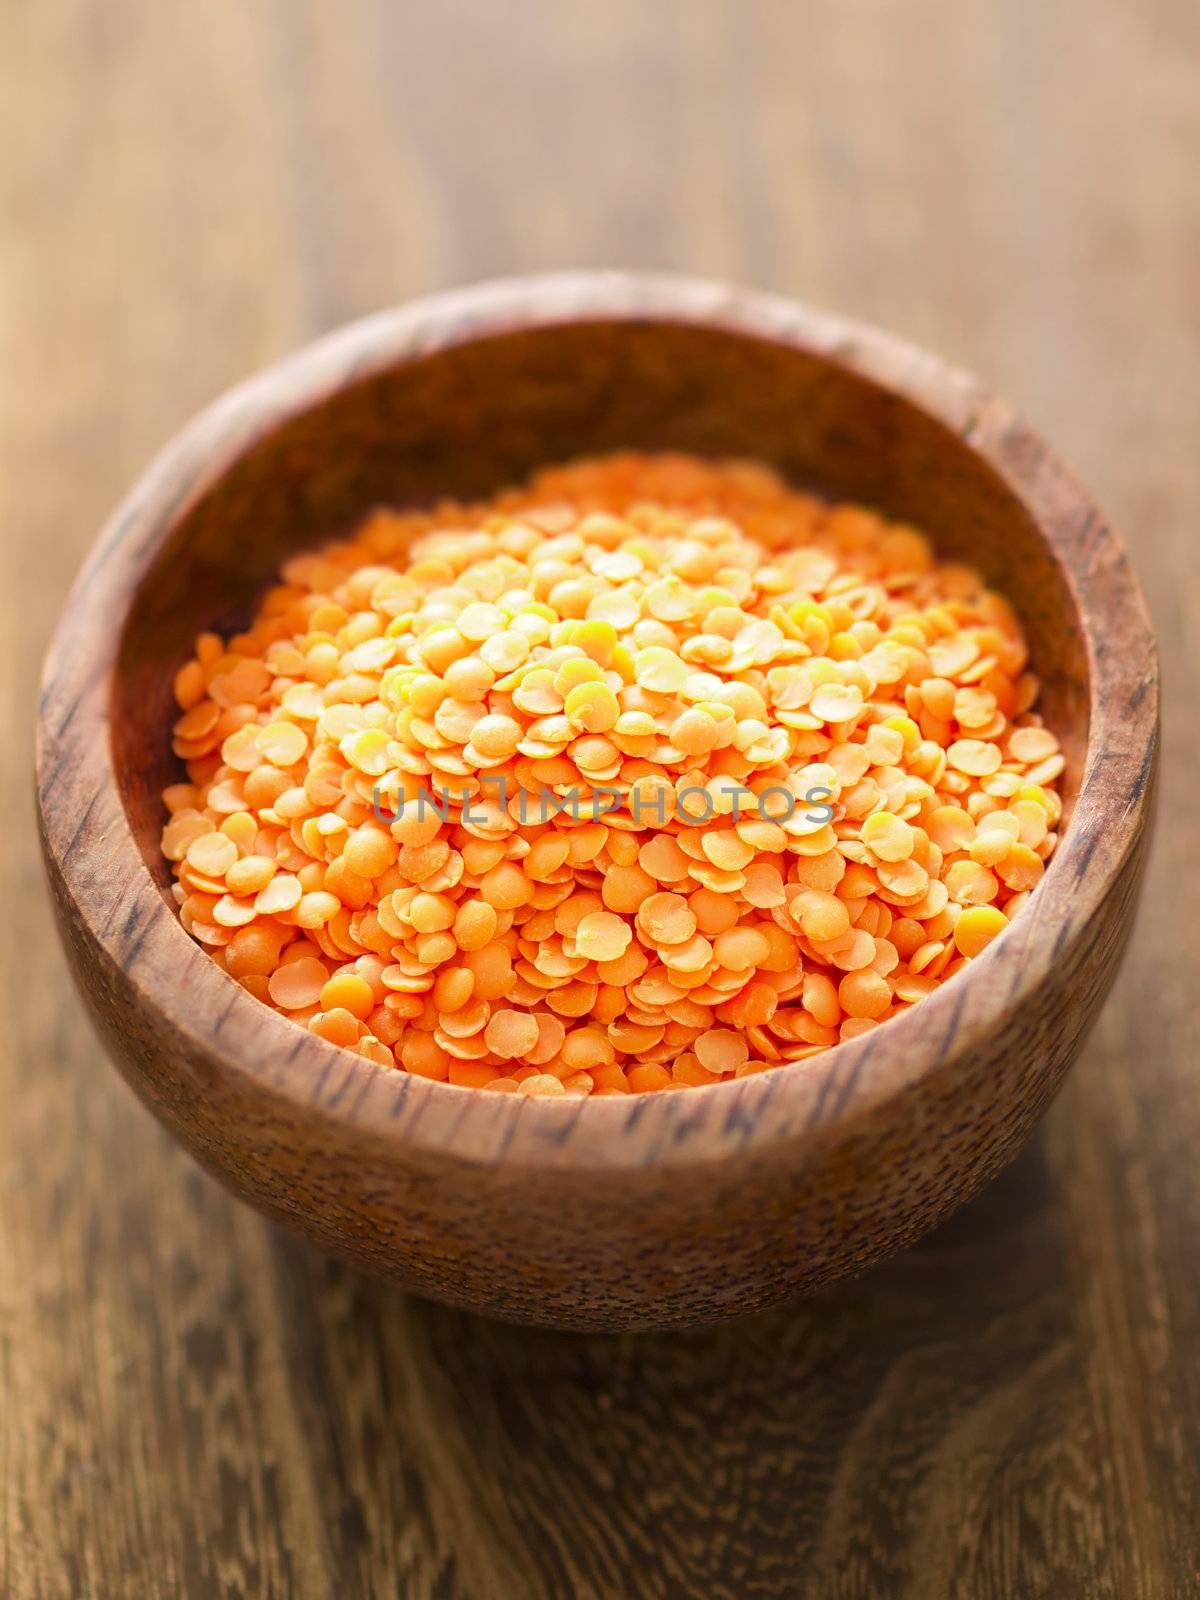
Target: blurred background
(191,1404)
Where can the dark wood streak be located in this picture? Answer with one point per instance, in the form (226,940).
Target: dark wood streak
(399,1099)
(366,1084)
(1140,692)
(113,535)
(563,1129)
(816,1113)
(143,924)
(223,1016)
(1088,850)
(1145,776)
(846,1088)
(506,1142)
(135,946)
(141,914)
(360,1080)
(635,1114)
(329,1064)
(81,826)
(960,1000)
(684,1124)
(70,709)
(738,1120)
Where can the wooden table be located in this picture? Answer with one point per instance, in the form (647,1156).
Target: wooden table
(193,1405)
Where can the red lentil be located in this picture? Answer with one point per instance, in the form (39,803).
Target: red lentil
(831,787)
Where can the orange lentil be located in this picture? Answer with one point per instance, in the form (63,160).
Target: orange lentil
(1032,745)
(317,908)
(820,915)
(472,1074)
(369,851)
(298,984)
(754,1005)
(253,952)
(608,1079)
(626,969)
(647,1077)
(625,888)
(250,874)
(505,887)
(977,927)
(976,757)
(992,843)
(819,998)
(603,936)
(666,919)
(420,1053)
(689,1069)
(681,646)
(474,925)
(855,1027)
(551,1033)
(431,913)
(338,1026)
(1020,869)
(491,968)
(721,1050)
(351,889)
(452,989)
(212,854)
(854,952)
(662,857)
(542,1083)
(970,884)
(714,913)
(864,994)
(511,1033)
(587,1048)
(349,992)
(741,948)
(904,880)
(763,887)
(546,856)
(416,824)
(468,1020)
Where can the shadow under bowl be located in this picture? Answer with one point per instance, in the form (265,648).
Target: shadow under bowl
(656,1210)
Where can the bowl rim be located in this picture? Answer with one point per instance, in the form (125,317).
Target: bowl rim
(96,866)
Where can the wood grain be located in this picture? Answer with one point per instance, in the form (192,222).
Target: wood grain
(189,1403)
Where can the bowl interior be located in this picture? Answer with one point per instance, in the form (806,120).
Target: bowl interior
(464,421)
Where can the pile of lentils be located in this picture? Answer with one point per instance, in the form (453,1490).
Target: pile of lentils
(650,773)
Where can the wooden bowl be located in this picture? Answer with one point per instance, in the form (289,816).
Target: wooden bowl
(655,1210)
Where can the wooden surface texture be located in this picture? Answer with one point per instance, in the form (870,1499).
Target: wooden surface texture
(192,1404)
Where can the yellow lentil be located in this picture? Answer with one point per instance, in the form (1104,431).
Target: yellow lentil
(698,646)
(977,927)
(889,838)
